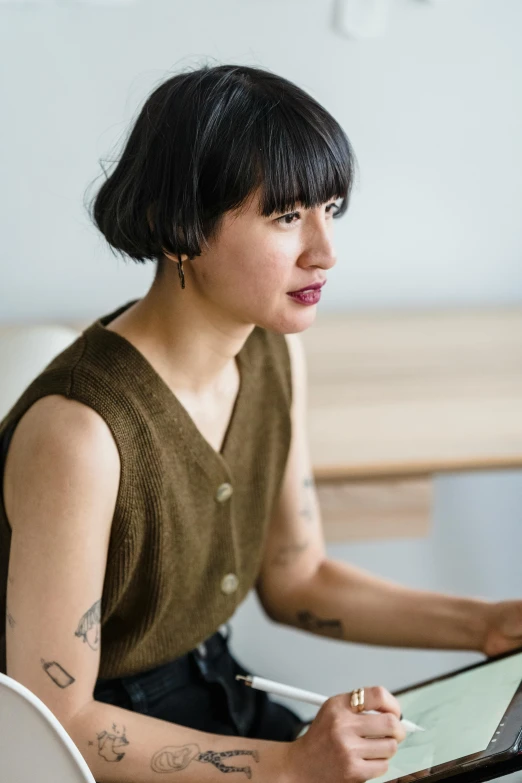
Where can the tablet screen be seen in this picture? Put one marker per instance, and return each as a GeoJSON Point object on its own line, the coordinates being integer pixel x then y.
{"type": "Point", "coordinates": [460, 716]}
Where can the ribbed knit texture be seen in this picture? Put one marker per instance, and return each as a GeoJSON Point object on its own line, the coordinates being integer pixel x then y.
{"type": "Point", "coordinates": [172, 542]}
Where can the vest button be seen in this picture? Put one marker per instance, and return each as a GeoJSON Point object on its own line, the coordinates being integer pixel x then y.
{"type": "Point", "coordinates": [229, 584]}
{"type": "Point", "coordinates": [224, 491]}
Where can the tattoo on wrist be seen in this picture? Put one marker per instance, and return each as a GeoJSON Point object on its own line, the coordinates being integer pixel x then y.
{"type": "Point", "coordinates": [287, 554]}
{"type": "Point", "coordinates": [10, 619]}
{"type": "Point", "coordinates": [89, 626]}
{"type": "Point", "coordinates": [174, 759]}
{"type": "Point", "coordinates": [311, 622]}
{"type": "Point", "coordinates": [57, 673]}
{"type": "Point", "coordinates": [110, 743]}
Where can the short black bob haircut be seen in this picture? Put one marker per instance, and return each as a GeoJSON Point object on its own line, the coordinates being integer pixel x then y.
{"type": "Point", "coordinates": [203, 142]}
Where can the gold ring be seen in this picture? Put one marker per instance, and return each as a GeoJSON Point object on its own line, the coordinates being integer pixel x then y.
{"type": "Point", "coordinates": [357, 700]}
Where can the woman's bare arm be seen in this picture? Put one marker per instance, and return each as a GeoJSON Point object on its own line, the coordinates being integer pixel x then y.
{"type": "Point", "coordinates": [128, 747]}
{"type": "Point", "coordinates": [61, 481]}
{"type": "Point", "coordinates": [60, 488]}
{"type": "Point", "coordinates": [300, 586]}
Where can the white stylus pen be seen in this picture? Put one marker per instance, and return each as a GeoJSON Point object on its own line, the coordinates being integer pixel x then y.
{"type": "Point", "coordinates": [278, 689]}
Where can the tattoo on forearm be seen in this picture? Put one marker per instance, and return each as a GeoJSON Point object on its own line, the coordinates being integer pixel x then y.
{"type": "Point", "coordinates": [89, 626]}
{"type": "Point", "coordinates": [10, 619]}
{"type": "Point", "coordinates": [174, 759]}
{"type": "Point", "coordinates": [111, 742]}
{"type": "Point", "coordinates": [57, 673]}
{"type": "Point", "coordinates": [306, 513]}
{"type": "Point", "coordinates": [287, 554]}
{"type": "Point", "coordinates": [306, 510]}
{"type": "Point", "coordinates": [316, 624]}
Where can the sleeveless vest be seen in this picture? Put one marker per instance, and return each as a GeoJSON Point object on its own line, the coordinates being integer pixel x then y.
{"type": "Point", "coordinates": [189, 525]}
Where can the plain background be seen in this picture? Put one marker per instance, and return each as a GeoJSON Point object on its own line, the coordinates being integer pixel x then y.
{"type": "Point", "coordinates": [434, 112]}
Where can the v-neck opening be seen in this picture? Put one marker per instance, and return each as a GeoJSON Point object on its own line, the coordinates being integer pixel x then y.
{"type": "Point", "coordinates": [198, 439]}
{"type": "Point", "coordinates": [232, 418]}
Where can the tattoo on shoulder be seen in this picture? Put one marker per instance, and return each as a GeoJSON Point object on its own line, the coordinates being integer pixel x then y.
{"type": "Point", "coordinates": [57, 673]}
{"type": "Point", "coordinates": [287, 554]}
{"type": "Point", "coordinates": [174, 759]}
{"type": "Point", "coordinates": [89, 626]}
{"type": "Point", "coordinates": [311, 622]}
{"type": "Point", "coordinates": [110, 743]}
{"type": "Point", "coordinates": [10, 619]}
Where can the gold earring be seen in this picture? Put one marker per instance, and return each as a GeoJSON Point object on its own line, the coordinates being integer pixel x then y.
{"type": "Point", "coordinates": [181, 273]}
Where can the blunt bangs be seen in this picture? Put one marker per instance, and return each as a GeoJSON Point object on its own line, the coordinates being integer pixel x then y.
{"type": "Point", "coordinates": [203, 143]}
{"type": "Point", "coordinates": [306, 163]}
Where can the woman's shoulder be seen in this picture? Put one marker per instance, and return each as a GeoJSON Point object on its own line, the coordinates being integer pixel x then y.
{"type": "Point", "coordinates": [62, 440]}
{"type": "Point", "coordinates": [60, 417]}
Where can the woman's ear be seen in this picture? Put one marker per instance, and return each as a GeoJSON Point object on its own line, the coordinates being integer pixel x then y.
{"type": "Point", "coordinates": [172, 257]}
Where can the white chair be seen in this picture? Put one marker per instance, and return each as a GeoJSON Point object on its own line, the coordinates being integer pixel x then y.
{"type": "Point", "coordinates": [34, 746]}
{"type": "Point", "coordinates": [24, 352]}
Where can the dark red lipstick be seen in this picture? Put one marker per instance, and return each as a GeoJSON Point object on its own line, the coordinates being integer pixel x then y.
{"type": "Point", "coordinates": [309, 295]}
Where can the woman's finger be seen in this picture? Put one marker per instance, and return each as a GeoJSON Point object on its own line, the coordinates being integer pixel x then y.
{"type": "Point", "coordinates": [386, 724]}
{"type": "Point", "coordinates": [378, 698]}
{"type": "Point", "coordinates": [379, 748]}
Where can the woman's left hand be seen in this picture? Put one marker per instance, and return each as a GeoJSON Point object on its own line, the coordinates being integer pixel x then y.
{"type": "Point", "coordinates": [503, 627]}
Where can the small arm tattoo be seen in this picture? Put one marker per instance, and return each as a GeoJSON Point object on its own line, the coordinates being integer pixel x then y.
{"type": "Point", "coordinates": [316, 624]}
{"type": "Point", "coordinates": [10, 619]}
{"type": "Point", "coordinates": [57, 673]}
{"type": "Point", "coordinates": [306, 510]}
{"type": "Point", "coordinates": [287, 554]}
{"type": "Point", "coordinates": [174, 759]}
{"type": "Point", "coordinates": [89, 626]}
{"type": "Point", "coordinates": [306, 513]}
{"type": "Point", "coordinates": [110, 743]}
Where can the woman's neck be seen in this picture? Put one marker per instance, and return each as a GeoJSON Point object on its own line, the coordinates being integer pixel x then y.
{"type": "Point", "coordinates": [191, 346]}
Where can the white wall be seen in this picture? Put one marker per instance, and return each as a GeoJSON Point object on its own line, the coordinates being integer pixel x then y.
{"type": "Point", "coordinates": [433, 109]}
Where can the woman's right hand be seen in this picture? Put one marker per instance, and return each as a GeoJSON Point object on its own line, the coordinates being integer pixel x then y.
{"type": "Point", "coordinates": [342, 745]}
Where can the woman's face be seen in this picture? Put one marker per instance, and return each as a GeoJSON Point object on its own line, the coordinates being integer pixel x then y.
{"type": "Point", "coordinates": [251, 269]}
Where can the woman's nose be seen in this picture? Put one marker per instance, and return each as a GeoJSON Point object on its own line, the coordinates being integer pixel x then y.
{"type": "Point", "coordinates": [321, 254]}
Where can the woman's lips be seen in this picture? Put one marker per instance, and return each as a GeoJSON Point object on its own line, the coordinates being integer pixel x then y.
{"type": "Point", "coordinates": [310, 287]}
{"type": "Point", "coordinates": [310, 296]}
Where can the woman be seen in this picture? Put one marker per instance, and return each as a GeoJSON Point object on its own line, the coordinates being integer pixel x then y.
{"type": "Point", "coordinates": [158, 468]}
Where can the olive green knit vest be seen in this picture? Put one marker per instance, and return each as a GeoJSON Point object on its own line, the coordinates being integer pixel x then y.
{"type": "Point", "coordinates": [189, 525]}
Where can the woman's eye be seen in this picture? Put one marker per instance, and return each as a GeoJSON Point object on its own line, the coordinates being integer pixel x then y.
{"type": "Point", "coordinates": [287, 219]}
{"type": "Point", "coordinates": [334, 208]}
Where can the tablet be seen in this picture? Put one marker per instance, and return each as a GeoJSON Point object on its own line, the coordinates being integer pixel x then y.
{"type": "Point", "coordinates": [472, 721]}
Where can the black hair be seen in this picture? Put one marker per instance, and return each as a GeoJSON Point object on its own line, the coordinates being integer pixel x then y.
{"type": "Point", "coordinates": [203, 142]}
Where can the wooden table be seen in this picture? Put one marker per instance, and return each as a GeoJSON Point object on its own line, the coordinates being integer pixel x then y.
{"type": "Point", "coordinates": [395, 399]}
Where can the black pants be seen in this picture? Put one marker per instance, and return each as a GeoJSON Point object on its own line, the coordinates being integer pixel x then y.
{"type": "Point", "coordinates": [200, 691]}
